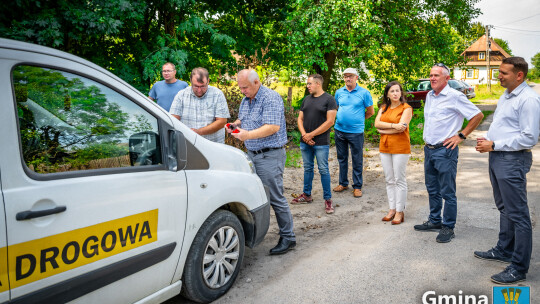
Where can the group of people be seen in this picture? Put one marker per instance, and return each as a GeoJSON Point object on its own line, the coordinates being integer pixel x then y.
{"type": "Point", "coordinates": [261, 126]}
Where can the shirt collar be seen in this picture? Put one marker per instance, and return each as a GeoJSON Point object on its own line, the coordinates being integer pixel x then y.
{"type": "Point", "coordinates": [443, 92]}
{"type": "Point", "coordinates": [516, 91]}
{"type": "Point", "coordinates": [353, 90]}
{"type": "Point", "coordinates": [259, 94]}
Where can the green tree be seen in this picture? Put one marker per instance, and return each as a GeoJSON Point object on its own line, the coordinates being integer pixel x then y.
{"type": "Point", "coordinates": [504, 45]}
{"type": "Point", "coordinates": [390, 39]}
{"type": "Point", "coordinates": [534, 72]}
{"type": "Point", "coordinates": [130, 38]}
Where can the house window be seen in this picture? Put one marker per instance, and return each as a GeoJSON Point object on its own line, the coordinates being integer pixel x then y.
{"type": "Point", "coordinates": [494, 73]}
{"type": "Point", "coordinates": [470, 73]}
{"type": "Point", "coordinates": [482, 56]}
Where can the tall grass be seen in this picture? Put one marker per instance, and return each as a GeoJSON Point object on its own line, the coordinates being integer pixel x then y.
{"type": "Point", "coordinates": [482, 93]}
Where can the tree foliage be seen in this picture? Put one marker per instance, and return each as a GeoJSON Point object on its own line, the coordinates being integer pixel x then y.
{"type": "Point", "coordinates": [390, 39]}
{"type": "Point", "coordinates": [504, 45]}
{"type": "Point", "coordinates": [394, 39]}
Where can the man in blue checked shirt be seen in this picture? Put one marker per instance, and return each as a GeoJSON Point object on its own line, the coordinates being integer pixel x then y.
{"type": "Point", "coordinates": [263, 131]}
{"type": "Point", "coordinates": [511, 136]}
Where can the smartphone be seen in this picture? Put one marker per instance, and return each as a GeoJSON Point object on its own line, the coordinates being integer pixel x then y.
{"type": "Point", "coordinates": [232, 127]}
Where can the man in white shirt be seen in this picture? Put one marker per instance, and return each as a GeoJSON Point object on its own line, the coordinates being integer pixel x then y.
{"type": "Point", "coordinates": [444, 112]}
{"type": "Point", "coordinates": [511, 136]}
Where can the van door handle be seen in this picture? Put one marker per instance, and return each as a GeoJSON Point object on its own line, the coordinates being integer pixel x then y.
{"type": "Point", "coordinates": [26, 215]}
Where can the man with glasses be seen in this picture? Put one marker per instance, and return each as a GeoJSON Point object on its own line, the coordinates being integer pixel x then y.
{"type": "Point", "coordinates": [201, 107]}
{"type": "Point", "coordinates": [444, 112]}
{"type": "Point", "coordinates": [316, 117]}
{"type": "Point", "coordinates": [355, 105]}
{"type": "Point", "coordinates": [163, 91]}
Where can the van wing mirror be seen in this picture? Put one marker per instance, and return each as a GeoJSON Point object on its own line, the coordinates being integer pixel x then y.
{"type": "Point", "coordinates": [144, 149]}
{"type": "Point", "coordinates": [178, 151]}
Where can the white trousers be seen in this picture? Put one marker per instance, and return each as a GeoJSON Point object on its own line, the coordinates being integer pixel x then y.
{"type": "Point", "coordinates": [394, 167]}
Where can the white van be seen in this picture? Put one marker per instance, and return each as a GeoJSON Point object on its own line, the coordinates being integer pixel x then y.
{"type": "Point", "coordinates": [106, 197]}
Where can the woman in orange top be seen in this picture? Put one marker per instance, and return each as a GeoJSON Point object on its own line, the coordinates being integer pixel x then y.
{"type": "Point", "coordinates": [392, 122]}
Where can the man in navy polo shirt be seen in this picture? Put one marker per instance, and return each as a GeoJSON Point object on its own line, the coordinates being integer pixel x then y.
{"type": "Point", "coordinates": [355, 105]}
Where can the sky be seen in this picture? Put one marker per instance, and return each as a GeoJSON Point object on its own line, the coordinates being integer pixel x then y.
{"type": "Point", "coordinates": [516, 21]}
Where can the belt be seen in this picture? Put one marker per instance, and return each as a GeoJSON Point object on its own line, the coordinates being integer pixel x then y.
{"type": "Point", "coordinates": [264, 150]}
{"type": "Point", "coordinates": [518, 151]}
{"type": "Point", "coordinates": [437, 146]}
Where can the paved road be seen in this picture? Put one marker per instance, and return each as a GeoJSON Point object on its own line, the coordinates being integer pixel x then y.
{"type": "Point", "coordinates": [366, 261]}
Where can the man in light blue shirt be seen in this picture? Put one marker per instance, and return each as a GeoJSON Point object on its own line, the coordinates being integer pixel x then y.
{"type": "Point", "coordinates": [163, 91]}
{"type": "Point", "coordinates": [444, 113]}
{"type": "Point", "coordinates": [355, 105]}
{"type": "Point", "coordinates": [511, 136]}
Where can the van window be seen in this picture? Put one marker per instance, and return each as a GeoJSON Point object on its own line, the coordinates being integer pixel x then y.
{"type": "Point", "coordinates": [68, 122]}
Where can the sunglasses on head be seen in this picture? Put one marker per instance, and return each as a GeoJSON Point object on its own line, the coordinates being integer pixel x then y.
{"type": "Point", "coordinates": [442, 66]}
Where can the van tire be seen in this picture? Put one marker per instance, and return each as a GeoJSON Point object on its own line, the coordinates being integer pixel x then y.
{"type": "Point", "coordinates": [215, 229]}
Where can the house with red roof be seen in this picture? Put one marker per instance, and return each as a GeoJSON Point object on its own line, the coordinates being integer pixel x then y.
{"type": "Point", "coordinates": [475, 70]}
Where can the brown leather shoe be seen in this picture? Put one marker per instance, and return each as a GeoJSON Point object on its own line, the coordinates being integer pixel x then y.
{"type": "Point", "coordinates": [357, 192]}
{"type": "Point", "coordinates": [398, 220]}
{"type": "Point", "coordinates": [340, 188]}
{"type": "Point", "coordinates": [389, 217]}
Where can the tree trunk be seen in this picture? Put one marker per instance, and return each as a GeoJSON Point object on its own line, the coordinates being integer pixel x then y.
{"type": "Point", "coordinates": [330, 59]}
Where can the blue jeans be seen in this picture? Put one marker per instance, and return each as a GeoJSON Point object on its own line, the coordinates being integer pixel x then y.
{"type": "Point", "coordinates": [321, 153]}
{"type": "Point", "coordinates": [440, 168]}
{"type": "Point", "coordinates": [356, 143]}
{"type": "Point", "coordinates": [508, 175]}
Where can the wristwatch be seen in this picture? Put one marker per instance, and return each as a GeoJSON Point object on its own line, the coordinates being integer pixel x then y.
{"type": "Point", "coordinates": [462, 136]}
{"type": "Point", "coordinates": [493, 146]}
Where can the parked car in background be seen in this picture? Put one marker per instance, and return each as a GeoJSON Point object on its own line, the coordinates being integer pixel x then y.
{"type": "Point", "coordinates": [416, 91]}
{"type": "Point", "coordinates": [469, 90]}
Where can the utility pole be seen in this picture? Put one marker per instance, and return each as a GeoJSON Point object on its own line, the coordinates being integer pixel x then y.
{"type": "Point", "coordinates": [488, 49]}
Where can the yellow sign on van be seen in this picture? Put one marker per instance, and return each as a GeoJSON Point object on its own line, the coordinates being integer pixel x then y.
{"type": "Point", "coordinates": [4, 285]}
{"type": "Point", "coordinates": [37, 259]}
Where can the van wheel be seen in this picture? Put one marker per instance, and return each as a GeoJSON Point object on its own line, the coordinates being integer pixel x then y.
{"type": "Point", "coordinates": [215, 258]}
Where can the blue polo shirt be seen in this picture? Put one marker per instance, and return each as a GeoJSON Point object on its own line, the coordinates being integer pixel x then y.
{"type": "Point", "coordinates": [352, 109]}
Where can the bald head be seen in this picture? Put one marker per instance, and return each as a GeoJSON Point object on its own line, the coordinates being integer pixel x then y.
{"type": "Point", "coordinates": [248, 82]}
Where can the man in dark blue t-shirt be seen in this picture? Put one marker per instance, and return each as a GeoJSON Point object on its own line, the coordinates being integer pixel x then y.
{"type": "Point", "coordinates": [316, 117]}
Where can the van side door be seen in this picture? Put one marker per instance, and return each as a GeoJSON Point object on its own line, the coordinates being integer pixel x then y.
{"type": "Point", "coordinates": [92, 208]}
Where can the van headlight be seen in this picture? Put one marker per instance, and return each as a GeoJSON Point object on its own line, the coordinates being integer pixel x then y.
{"type": "Point", "coordinates": [251, 164]}
{"type": "Point", "coordinates": [252, 167]}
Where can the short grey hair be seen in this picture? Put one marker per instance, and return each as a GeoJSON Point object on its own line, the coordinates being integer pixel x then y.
{"type": "Point", "coordinates": [251, 75]}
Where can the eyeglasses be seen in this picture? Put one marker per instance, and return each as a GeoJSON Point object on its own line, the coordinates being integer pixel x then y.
{"type": "Point", "coordinates": [349, 76]}
{"type": "Point", "coordinates": [168, 71]}
{"type": "Point", "coordinates": [199, 87]}
{"type": "Point", "coordinates": [442, 66]}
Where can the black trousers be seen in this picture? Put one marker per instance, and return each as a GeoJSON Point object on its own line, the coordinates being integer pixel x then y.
{"type": "Point", "coordinates": [507, 172]}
